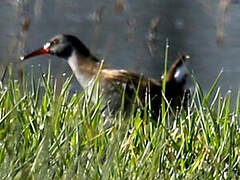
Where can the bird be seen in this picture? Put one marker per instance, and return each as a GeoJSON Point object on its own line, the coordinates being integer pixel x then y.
{"type": "Point", "coordinates": [116, 83]}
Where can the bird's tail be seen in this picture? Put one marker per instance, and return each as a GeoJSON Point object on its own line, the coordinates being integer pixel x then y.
{"type": "Point", "coordinates": [176, 82]}
{"type": "Point", "coordinates": [178, 71]}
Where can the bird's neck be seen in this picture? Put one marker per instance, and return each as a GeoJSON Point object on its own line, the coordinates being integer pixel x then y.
{"type": "Point", "coordinates": [85, 68]}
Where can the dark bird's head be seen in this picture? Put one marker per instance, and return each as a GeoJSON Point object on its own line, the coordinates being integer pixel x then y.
{"type": "Point", "coordinates": [61, 45]}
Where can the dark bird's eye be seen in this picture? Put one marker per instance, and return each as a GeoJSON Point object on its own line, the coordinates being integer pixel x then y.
{"type": "Point", "coordinates": [55, 42]}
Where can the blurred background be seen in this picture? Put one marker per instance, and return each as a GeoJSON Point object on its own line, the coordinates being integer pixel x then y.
{"type": "Point", "coordinates": [128, 34]}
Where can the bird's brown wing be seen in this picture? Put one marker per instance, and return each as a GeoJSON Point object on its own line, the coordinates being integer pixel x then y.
{"type": "Point", "coordinates": [134, 87]}
{"type": "Point", "coordinates": [124, 76]}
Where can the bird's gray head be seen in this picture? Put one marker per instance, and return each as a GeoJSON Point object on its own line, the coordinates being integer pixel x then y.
{"type": "Point", "coordinates": [61, 45]}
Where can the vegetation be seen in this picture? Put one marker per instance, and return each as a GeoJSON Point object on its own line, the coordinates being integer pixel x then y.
{"type": "Point", "coordinates": [50, 135]}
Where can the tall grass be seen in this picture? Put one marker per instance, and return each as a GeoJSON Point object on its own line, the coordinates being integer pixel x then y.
{"type": "Point", "coordinates": [46, 135]}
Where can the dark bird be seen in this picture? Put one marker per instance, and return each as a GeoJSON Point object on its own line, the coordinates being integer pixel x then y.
{"type": "Point", "coordinates": [114, 82]}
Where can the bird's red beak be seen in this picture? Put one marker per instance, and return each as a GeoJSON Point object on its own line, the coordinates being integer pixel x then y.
{"type": "Point", "coordinates": [36, 53]}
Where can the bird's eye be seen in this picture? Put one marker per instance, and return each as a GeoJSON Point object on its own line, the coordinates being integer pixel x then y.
{"type": "Point", "coordinates": [55, 42]}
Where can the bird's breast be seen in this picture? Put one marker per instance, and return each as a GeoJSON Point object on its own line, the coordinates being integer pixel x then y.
{"type": "Point", "coordinates": [81, 71]}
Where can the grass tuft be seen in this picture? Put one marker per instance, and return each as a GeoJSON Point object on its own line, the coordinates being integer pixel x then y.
{"type": "Point", "coordinates": [50, 135]}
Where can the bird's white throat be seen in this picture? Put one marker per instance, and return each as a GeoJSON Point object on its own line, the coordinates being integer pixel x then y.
{"type": "Point", "coordinates": [83, 78]}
